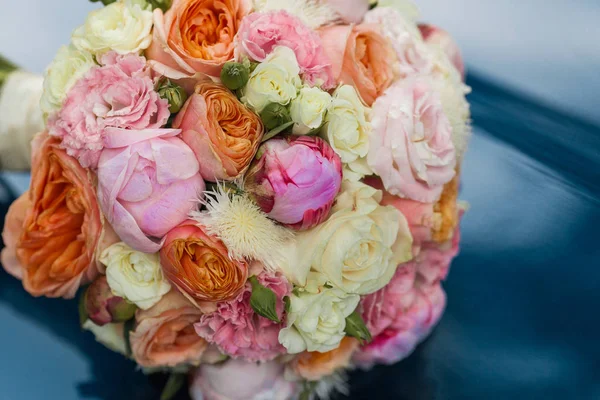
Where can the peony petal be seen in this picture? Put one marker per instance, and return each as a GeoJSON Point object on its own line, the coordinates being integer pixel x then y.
{"type": "Point", "coordinates": [174, 160]}
{"type": "Point", "coordinates": [116, 137]}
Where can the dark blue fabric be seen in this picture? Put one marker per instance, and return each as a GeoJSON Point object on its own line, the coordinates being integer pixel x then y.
{"type": "Point", "coordinates": [523, 295]}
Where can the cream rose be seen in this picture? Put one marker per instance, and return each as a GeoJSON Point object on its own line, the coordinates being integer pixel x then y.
{"type": "Point", "coordinates": [358, 248]}
{"type": "Point", "coordinates": [124, 26]}
{"type": "Point", "coordinates": [308, 109]}
{"type": "Point", "coordinates": [134, 275]}
{"type": "Point", "coordinates": [275, 80]}
{"type": "Point", "coordinates": [347, 129]}
{"type": "Point", "coordinates": [317, 320]}
{"type": "Point", "coordinates": [69, 65]}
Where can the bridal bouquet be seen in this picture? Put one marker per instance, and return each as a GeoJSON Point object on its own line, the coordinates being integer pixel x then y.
{"type": "Point", "coordinates": [260, 194]}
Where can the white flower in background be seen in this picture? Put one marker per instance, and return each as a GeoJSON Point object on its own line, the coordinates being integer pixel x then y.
{"type": "Point", "coordinates": [358, 248]}
{"type": "Point", "coordinates": [314, 13]}
{"type": "Point", "coordinates": [110, 335]}
{"type": "Point", "coordinates": [124, 26]}
{"type": "Point", "coordinates": [68, 66]}
{"type": "Point", "coordinates": [406, 8]}
{"type": "Point", "coordinates": [275, 80]}
{"type": "Point", "coordinates": [316, 321]}
{"type": "Point", "coordinates": [308, 109]}
{"type": "Point", "coordinates": [134, 275]}
{"type": "Point", "coordinates": [347, 130]}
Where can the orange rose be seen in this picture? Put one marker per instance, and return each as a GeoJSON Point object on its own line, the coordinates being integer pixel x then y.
{"type": "Point", "coordinates": [164, 335]}
{"type": "Point", "coordinates": [447, 207]}
{"type": "Point", "coordinates": [52, 231]}
{"type": "Point", "coordinates": [364, 59]}
{"type": "Point", "coordinates": [221, 131]}
{"type": "Point", "coordinates": [195, 36]}
{"type": "Point", "coordinates": [313, 366]}
{"type": "Point", "coordinates": [198, 264]}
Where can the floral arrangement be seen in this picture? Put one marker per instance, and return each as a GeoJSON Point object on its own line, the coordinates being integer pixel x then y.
{"type": "Point", "coordinates": [262, 194]}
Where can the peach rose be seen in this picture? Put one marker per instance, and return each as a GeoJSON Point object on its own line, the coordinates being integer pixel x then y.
{"type": "Point", "coordinates": [52, 231]}
{"type": "Point", "coordinates": [164, 335]}
{"type": "Point", "coordinates": [195, 36]}
{"type": "Point", "coordinates": [313, 366]}
{"type": "Point", "coordinates": [198, 264]}
{"type": "Point", "coordinates": [362, 57]}
{"type": "Point", "coordinates": [221, 131]}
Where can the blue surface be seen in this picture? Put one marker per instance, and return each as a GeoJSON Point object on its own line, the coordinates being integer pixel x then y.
{"type": "Point", "coordinates": [523, 294]}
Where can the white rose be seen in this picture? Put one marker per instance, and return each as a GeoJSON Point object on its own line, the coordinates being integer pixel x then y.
{"type": "Point", "coordinates": [134, 275]}
{"type": "Point", "coordinates": [110, 335]}
{"type": "Point", "coordinates": [316, 321]}
{"type": "Point", "coordinates": [347, 129]}
{"type": "Point", "coordinates": [358, 248]}
{"type": "Point", "coordinates": [308, 109]}
{"type": "Point", "coordinates": [68, 66]}
{"type": "Point", "coordinates": [123, 26]}
{"type": "Point", "coordinates": [275, 80]}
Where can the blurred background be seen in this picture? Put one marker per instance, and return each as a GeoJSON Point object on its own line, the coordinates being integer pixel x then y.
{"type": "Point", "coordinates": [522, 317]}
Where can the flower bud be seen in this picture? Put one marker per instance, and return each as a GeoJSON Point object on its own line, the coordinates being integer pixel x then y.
{"type": "Point", "coordinates": [105, 2]}
{"type": "Point", "coordinates": [174, 94]}
{"type": "Point", "coordinates": [275, 115]}
{"type": "Point", "coordinates": [235, 75]}
{"type": "Point", "coordinates": [103, 307]}
{"type": "Point", "coordinates": [164, 5]}
{"type": "Point", "coordinates": [294, 180]}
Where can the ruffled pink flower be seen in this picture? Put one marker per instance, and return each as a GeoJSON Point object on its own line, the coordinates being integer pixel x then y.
{"type": "Point", "coordinates": [241, 380]}
{"type": "Point", "coordinates": [411, 147]}
{"type": "Point", "coordinates": [239, 332]}
{"type": "Point", "coordinates": [295, 180]}
{"type": "Point", "coordinates": [434, 259]}
{"type": "Point", "coordinates": [261, 32]}
{"type": "Point", "coordinates": [147, 183]}
{"type": "Point", "coordinates": [436, 36]}
{"type": "Point", "coordinates": [118, 94]}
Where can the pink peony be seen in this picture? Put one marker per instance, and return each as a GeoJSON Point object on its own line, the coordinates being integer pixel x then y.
{"type": "Point", "coordinates": [241, 380]}
{"type": "Point", "coordinates": [438, 37]}
{"type": "Point", "coordinates": [434, 259]}
{"type": "Point", "coordinates": [295, 180]}
{"type": "Point", "coordinates": [117, 94]}
{"type": "Point", "coordinates": [238, 331]}
{"type": "Point", "coordinates": [261, 32]}
{"type": "Point", "coordinates": [350, 11]}
{"type": "Point", "coordinates": [147, 183]}
{"type": "Point", "coordinates": [411, 147]}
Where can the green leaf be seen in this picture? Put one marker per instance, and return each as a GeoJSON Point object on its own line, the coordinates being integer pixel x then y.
{"type": "Point", "coordinates": [274, 132]}
{"type": "Point", "coordinates": [309, 387]}
{"type": "Point", "coordinates": [263, 300]}
{"type": "Point", "coordinates": [356, 327]}
{"type": "Point", "coordinates": [173, 386]}
{"type": "Point", "coordinates": [288, 304]}
{"type": "Point", "coordinates": [127, 329]}
{"type": "Point", "coordinates": [83, 315]}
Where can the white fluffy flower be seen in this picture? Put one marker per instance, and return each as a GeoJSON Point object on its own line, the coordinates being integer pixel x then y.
{"type": "Point", "coordinates": [406, 8]}
{"type": "Point", "coordinates": [243, 227]}
{"type": "Point", "coordinates": [68, 66]}
{"type": "Point", "coordinates": [316, 321]}
{"type": "Point", "coordinates": [348, 129]}
{"type": "Point", "coordinates": [308, 109]}
{"type": "Point", "coordinates": [110, 335]}
{"type": "Point", "coordinates": [134, 275]}
{"type": "Point", "coordinates": [124, 26]}
{"type": "Point", "coordinates": [314, 13]}
{"type": "Point", "coordinates": [358, 248]}
{"type": "Point", "coordinates": [275, 80]}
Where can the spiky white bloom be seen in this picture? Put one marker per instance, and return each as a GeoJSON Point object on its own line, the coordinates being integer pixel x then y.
{"type": "Point", "coordinates": [243, 227]}
{"type": "Point", "coordinates": [329, 385]}
{"type": "Point", "coordinates": [314, 13]}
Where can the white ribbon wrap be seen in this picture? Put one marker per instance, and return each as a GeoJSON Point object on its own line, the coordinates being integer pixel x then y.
{"type": "Point", "coordinates": [20, 118]}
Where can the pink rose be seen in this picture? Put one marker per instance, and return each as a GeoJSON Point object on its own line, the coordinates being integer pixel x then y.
{"type": "Point", "coordinates": [295, 180]}
{"type": "Point", "coordinates": [434, 259]}
{"type": "Point", "coordinates": [413, 56]}
{"type": "Point", "coordinates": [241, 380]}
{"type": "Point", "coordinates": [147, 183]}
{"type": "Point", "coordinates": [239, 332]}
{"type": "Point", "coordinates": [411, 147]}
{"type": "Point", "coordinates": [118, 94]}
{"type": "Point", "coordinates": [261, 32]}
{"type": "Point", "coordinates": [411, 326]}
{"type": "Point", "coordinates": [439, 37]}
{"type": "Point", "coordinates": [351, 11]}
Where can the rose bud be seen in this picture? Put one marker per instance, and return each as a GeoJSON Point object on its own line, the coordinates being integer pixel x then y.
{"type": "Point", "coordinates": [294, 180]}
{"type": "Point", "coordinates": [439, 37]}
{"type": "Point", "coordinates": [103, 307]}
{"type": "Point", "coordinates": [235, 75]}
{"type": "Point", "coordinates": [174, 94]}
